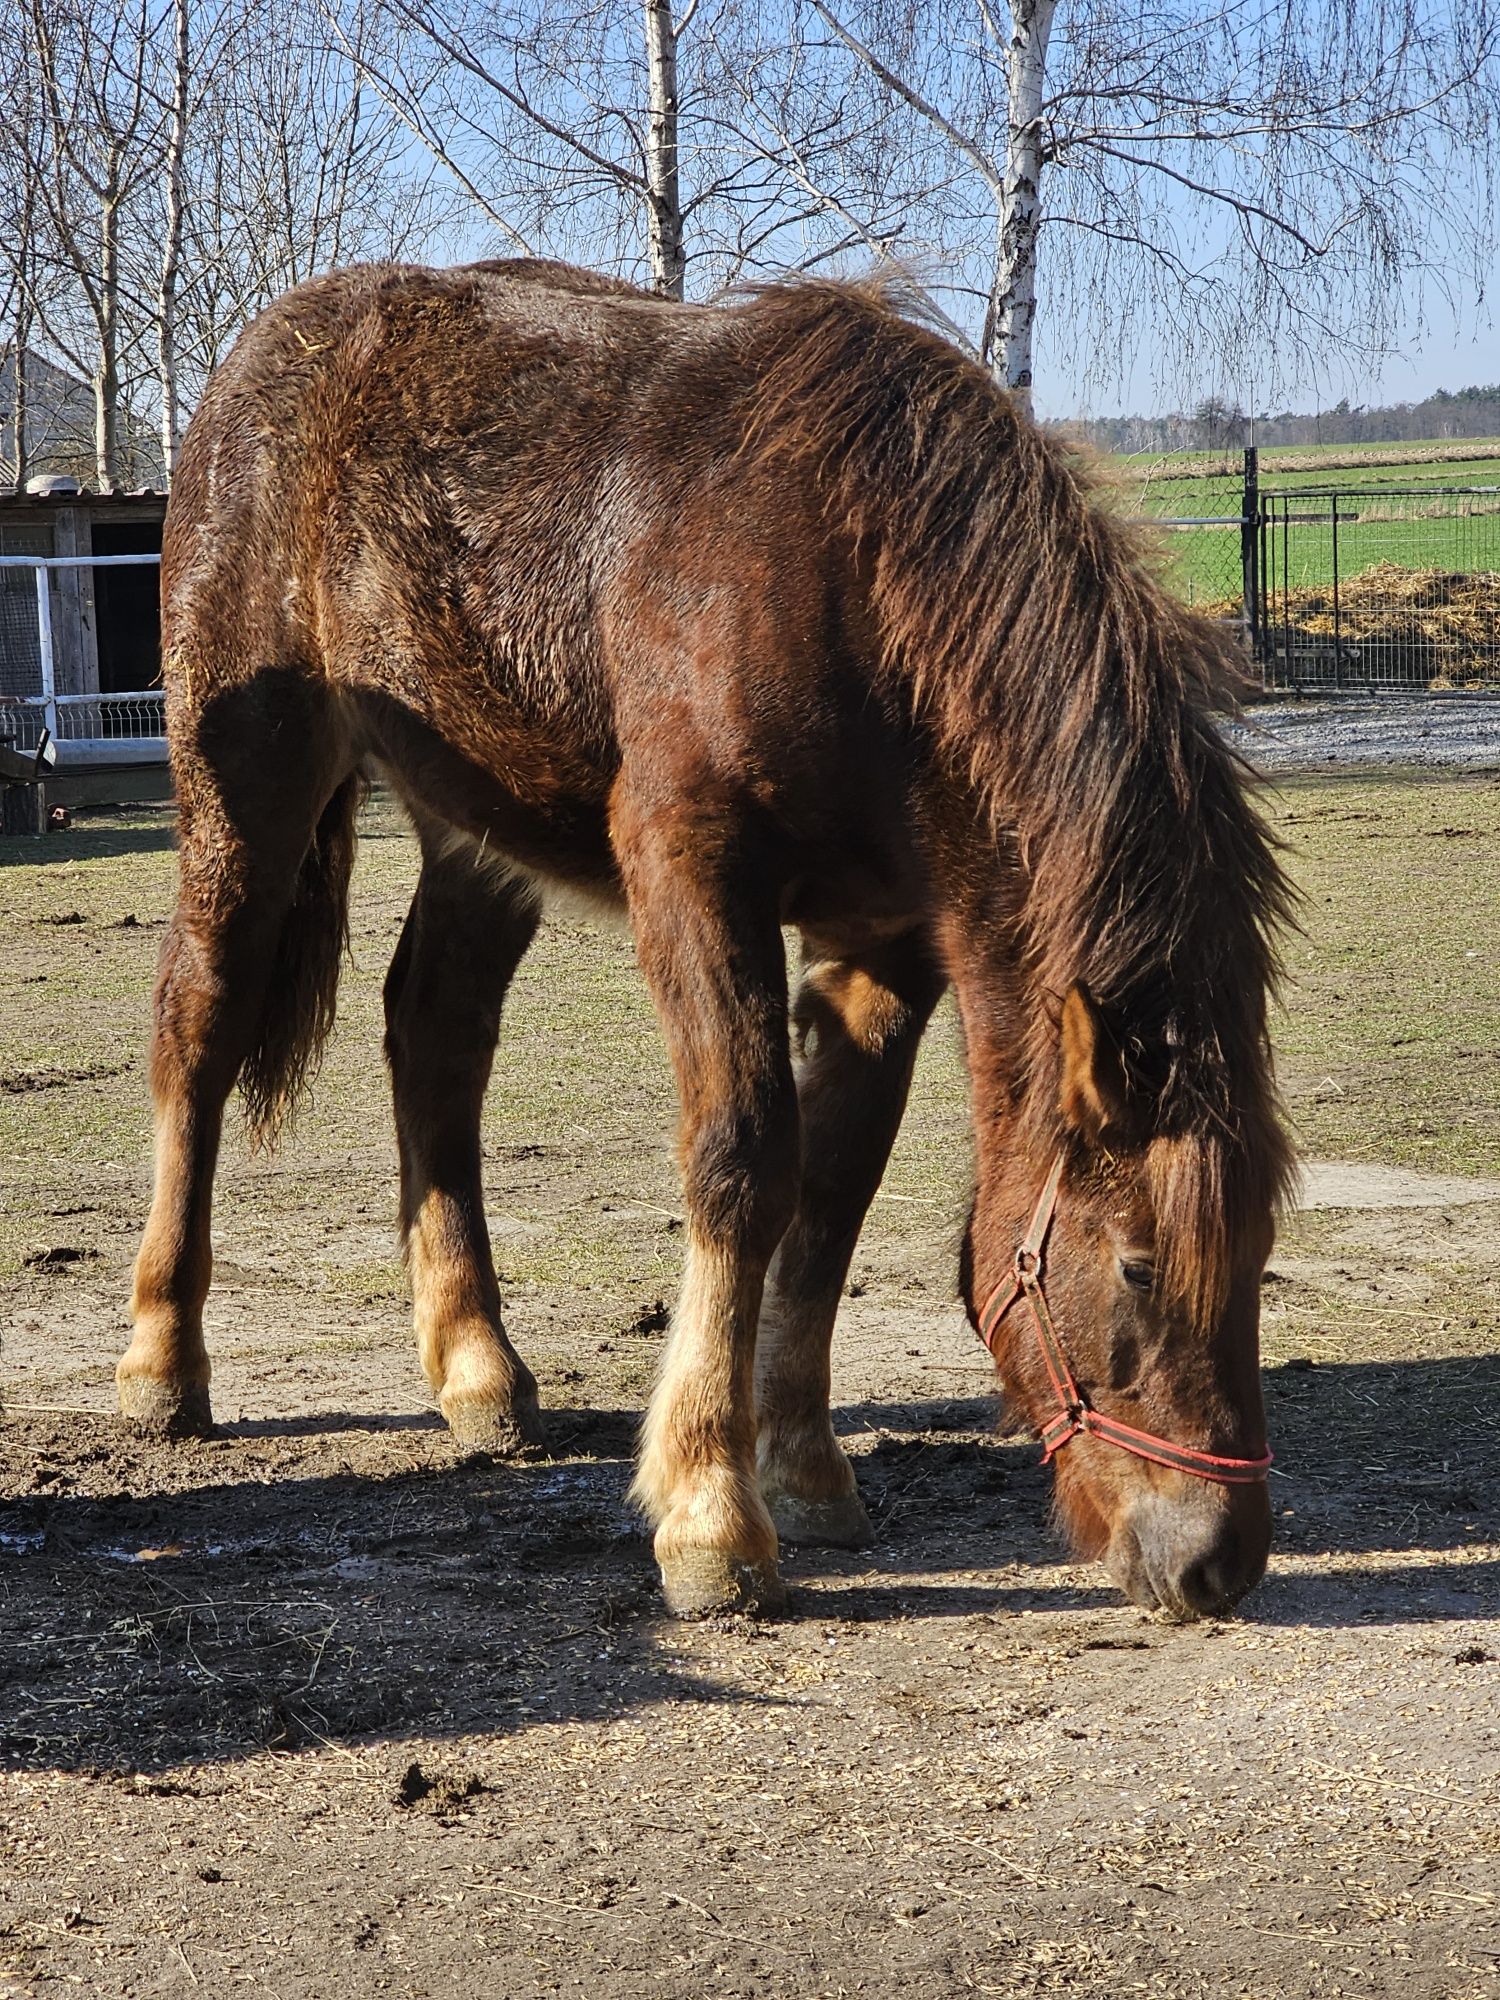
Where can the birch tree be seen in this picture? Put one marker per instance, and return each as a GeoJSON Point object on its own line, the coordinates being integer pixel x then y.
{"type": "Point", "coordinates": [664, 217]}
{"type": "Point", "coordinates": [1010, 313]}
{"type": "Point", "coordinates": [675, 148]}
{"type": "Point", "coordinates": [1243, 175]}
{"type": "Point", "coordinates": [167, 167]}
{"type": "Point", "coordinates": [19, 205]}
{"type": "Point", "coordinates": [98, 127]}
{"type": "Point", "coordinates": [560, 124]}
{"type": "Point", "coordinates": [174, 205]}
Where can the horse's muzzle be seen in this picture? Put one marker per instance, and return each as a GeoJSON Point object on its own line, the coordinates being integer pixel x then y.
{"type": "Point", "coordinates": [1192, 1555]}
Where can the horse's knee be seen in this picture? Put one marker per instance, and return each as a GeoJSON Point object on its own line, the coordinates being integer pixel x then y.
{"type": "Point", "coordinates": [741, 1171]}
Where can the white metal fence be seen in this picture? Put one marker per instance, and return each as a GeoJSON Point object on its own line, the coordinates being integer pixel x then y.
{"type": "Point", "coordinates": [116, 728]}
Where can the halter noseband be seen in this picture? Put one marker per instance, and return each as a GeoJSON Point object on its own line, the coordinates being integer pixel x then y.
{"type": "Point", "coordinates": [1075, 1413]}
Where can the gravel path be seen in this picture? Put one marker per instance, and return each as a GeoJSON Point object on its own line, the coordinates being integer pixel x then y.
{"type": "Point", "coordinates": [1459, 732]}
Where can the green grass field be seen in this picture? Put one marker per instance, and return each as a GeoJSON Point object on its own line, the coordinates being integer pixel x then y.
{"type": "Point", "coordinates": [1203, 564]}
{"type": "Point", "coordinates": [1431, 529]}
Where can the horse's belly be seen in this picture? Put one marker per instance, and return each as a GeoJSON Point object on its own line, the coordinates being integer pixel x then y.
{"type": "Point", "coordinates": [525, 803]}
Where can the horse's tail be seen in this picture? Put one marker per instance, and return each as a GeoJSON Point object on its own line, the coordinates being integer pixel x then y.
{"type": "Point", "coordinates": [299, 1005]}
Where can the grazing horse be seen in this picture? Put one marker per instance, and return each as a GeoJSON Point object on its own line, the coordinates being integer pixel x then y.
{"type": "Point", "coordinates": [769, 613]}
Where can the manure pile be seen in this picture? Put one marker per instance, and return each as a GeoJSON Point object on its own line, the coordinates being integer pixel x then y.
{"type": "Point", "coordinates": [1417, 626]}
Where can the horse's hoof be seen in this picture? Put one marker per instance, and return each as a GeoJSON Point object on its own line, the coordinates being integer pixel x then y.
{"type": "Point", "coordinates": [502, 1432]}
{"type": "Point", "coordinates": [699, 1582]}
{"type": "Point", "coordinates": [157, 1409]}
{"type": "Point", "coordinates": [824, 1524]}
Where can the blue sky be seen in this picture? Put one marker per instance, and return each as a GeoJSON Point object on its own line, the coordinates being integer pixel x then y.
{"type": "Point", "coordinates": [1452, 346]}
{"type": "Point", "coordinates": [1456, 348]}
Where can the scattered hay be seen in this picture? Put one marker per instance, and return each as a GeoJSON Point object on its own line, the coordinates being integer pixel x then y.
{"type": "Point", "coordinates": [1424, 627]}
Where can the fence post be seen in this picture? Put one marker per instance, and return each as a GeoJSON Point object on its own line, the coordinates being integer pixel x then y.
{"type": "Point", "coordinates": [44, 647]}
{"type": "Point", "coordinates": [1250, 546]}
{"type": "Point", "coordinates": [1338, 625]}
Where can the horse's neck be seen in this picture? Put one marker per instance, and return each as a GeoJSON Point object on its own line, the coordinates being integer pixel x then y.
{"type": "Point", "coordinates": [1006, 1028]}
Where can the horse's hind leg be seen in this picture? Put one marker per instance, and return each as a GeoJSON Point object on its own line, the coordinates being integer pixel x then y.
{"type": "Point", "coordinates": [858, 1021]}
{"type": "Point", "coordinates": [245, 990]}
{"type": "Point", "coordinates": [465, 935]}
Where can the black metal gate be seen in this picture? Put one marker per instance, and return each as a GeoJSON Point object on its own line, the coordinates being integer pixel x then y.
{"type": "Point", "coordinates": [1377, 586]}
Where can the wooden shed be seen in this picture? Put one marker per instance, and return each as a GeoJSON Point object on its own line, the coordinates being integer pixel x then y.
{"type": "Point", "coordinates": [87, 662]}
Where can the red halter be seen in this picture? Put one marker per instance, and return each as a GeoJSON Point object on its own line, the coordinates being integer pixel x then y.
{"type": "Point", "coordinates": [1075, 1413]}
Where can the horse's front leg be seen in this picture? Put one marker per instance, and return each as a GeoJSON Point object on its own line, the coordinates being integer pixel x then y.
{"type": "Point", "coordinates": [710, 947]}
{"type": "Point", "coordinates": [858, 1020]}
{"type": "Point", "coordinates": [464, 937]}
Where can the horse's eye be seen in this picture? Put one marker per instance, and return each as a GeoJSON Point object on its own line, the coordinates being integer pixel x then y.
{"type": "Point", "coordinates": [1140, 1277]}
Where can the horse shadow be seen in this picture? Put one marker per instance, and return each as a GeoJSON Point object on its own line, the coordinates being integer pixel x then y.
{"type": "Point", "coordinates": [153, 831]}
{"type": "Point", "coordinates": [258, 1606]}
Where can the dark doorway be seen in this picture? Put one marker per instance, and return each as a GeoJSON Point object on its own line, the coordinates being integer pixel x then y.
{"type": "Point", "coordinates": [128, 602]}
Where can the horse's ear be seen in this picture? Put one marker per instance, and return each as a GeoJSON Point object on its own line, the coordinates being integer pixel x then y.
{"type": "Point", "coordinates": [1093, 1076]}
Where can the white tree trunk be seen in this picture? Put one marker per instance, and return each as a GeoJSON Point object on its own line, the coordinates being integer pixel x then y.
{"type": "Point", "coordinates": [663, 194]}
{"type": "Point", "coordinates": [166, 307]}
{"type": "Point", "coordinates": [1012, 315]}
{"type": "Point", "coordinates": [20, 412]}
{"type": "Point", "coordinates": [107, 362]}
{"type": "Point", "coordinates": [21, 317]}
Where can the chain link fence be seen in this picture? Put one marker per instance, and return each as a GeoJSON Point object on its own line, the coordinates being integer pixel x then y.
{"type": "Point", "coordinates": [1198, 505]}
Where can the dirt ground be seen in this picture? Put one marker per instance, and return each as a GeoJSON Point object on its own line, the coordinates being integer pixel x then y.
{"type": "Point", "coordinates": [314, 1709]}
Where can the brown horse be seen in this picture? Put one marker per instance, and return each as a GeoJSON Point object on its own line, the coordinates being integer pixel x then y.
{"type": "Point", "coordinates": [768, 613]}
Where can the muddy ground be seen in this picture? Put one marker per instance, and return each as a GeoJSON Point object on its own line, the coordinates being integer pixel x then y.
{"type": "Point", "coordinates": [313, 1709]}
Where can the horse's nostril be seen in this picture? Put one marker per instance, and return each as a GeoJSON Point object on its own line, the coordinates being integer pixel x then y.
{"type": "Point", "coordinates": [1127, 1564]}
{"type": "Point", "coordinates": [1205, 1586]}
{"type": "Point", "coordinates": [1193, 1558]}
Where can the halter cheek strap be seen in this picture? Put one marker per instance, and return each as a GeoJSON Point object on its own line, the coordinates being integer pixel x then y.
{"type": "Point", "coordinates": [1075, 1413]}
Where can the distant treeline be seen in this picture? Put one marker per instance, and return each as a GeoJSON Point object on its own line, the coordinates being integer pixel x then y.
{"type": "Point", "coordinates": [1216, 426]}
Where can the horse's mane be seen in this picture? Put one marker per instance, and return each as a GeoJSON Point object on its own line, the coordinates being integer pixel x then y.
{"type": "Point", "coordinates": [1028, 633]}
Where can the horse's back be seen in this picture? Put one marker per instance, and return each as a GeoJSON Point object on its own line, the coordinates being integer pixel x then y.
{"type": "Point", "coordinates": [503, 515]}
{"type": "Point", "coordinates": [424, 374]}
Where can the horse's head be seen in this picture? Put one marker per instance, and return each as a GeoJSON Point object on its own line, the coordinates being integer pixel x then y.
{"type": "Point", "coordinates": [1126, 1332]}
